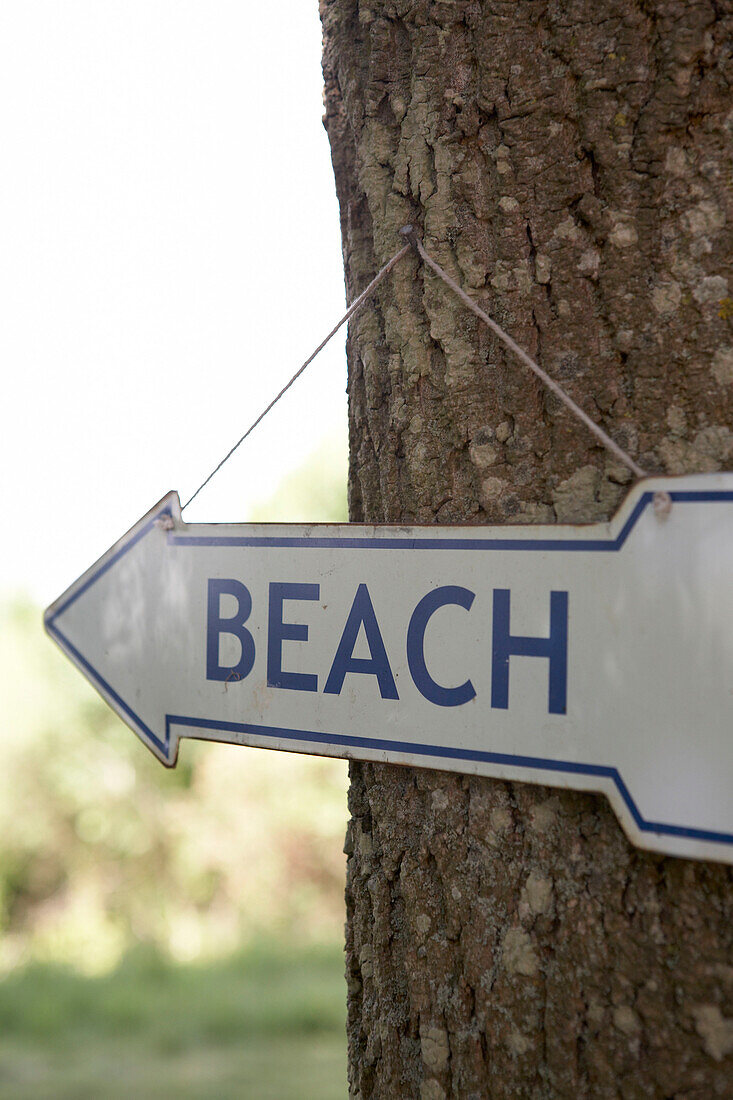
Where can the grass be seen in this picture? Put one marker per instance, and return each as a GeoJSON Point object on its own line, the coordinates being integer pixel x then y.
{"type": "Point", "coordinates": [266, 1025]}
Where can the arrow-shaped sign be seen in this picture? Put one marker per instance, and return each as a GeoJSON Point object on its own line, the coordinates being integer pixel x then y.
{"type": "Point", "coordinates": [596, 657]}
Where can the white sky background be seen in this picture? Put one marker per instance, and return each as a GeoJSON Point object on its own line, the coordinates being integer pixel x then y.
{"type": "Point", "coordinates": [169, 255]}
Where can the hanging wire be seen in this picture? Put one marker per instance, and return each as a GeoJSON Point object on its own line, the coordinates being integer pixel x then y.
{"type": "Point", "coordinates": [414, 243]}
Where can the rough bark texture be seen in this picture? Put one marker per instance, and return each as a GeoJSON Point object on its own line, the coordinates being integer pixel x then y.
{"type": "Point", "coordinates": [570, 164]}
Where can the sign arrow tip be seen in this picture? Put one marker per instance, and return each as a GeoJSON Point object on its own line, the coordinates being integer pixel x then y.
{"type": "Point", "coordinates": [90, 622]}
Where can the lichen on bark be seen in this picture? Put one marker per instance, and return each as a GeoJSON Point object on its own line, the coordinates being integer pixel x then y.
{"type": "Point", "coordinates": [570, 165]}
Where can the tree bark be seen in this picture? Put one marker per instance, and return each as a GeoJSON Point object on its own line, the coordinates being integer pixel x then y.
{"type": "Point", "coordinates": [570, 165]}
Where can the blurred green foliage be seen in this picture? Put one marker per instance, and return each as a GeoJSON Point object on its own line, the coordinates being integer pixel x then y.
{"type": "Point", "coordinates": [102, 849]}
{"type": "Point", "coordinates": [268, 1022]}
{"type": "Point", "coordinates": [159, 929]}
{"type": "Point", "coordinates": [269, 988]}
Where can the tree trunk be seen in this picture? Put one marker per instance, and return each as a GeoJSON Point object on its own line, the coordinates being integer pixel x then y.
{"type": "Point", "coordinates": [570, 165]}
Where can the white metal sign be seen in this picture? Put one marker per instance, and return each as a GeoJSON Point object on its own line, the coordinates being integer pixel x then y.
{"type": "Point", "coordinates": [596, 657]}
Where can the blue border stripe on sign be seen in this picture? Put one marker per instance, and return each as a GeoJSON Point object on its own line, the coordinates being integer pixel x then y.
{"type": "Point", "coordinates": [346, 542]}
{"type": "Point", "coordinates": [316, 542]}
{"type": "Point", "coordinates": [107, 565]}
{"type": "Point", "coordinates": [81, 660]}
{"type": "Point", "coordinates": [441, 752]}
